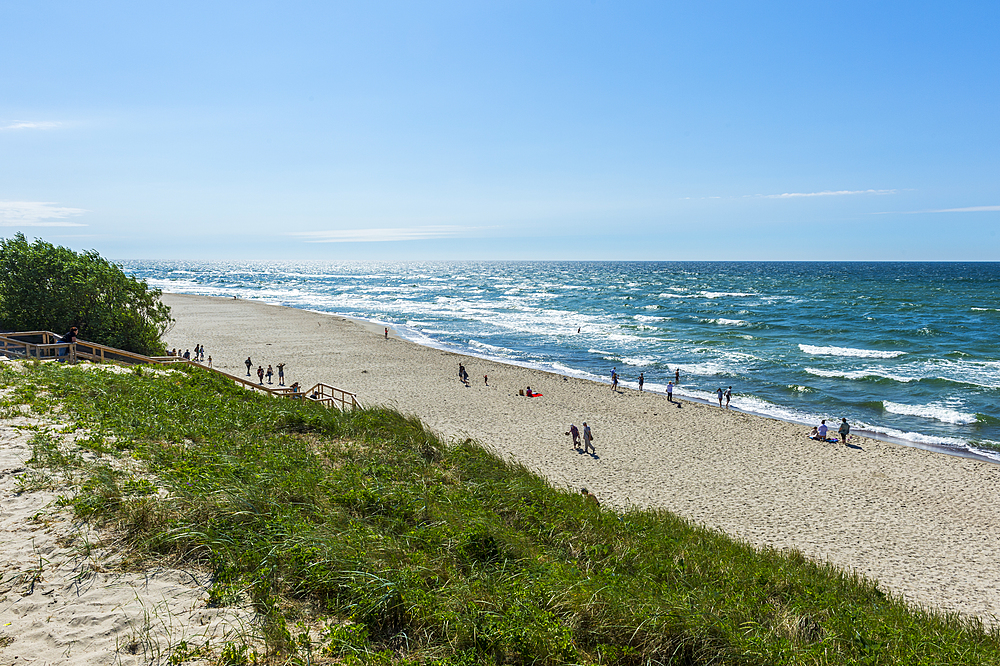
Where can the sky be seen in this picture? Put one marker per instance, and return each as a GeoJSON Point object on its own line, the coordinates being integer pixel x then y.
{"type": "Point", "coordinates": [586, 130]}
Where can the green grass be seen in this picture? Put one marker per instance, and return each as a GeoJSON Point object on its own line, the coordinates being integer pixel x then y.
{"type": "Point", "coordinates": [396, 547]}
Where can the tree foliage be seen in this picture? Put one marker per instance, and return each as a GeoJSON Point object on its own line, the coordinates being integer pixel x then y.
{"type": "Point", "coordinates": [44, 287]}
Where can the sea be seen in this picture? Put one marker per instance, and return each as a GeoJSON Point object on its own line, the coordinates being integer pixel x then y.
{"type": "Point", "coordinates": [907, 352]}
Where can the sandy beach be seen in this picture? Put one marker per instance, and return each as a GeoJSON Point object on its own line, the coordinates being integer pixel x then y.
{"type": "Point", "coordinates": [923, 524]}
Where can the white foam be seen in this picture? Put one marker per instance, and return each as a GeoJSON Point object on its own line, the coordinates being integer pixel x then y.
{"type": "Point", "coordinates": [860, 374]}
{"type": "Point", "coordinates": [847, 351]}
{"type": "Point", "coordinates": [932, 411]}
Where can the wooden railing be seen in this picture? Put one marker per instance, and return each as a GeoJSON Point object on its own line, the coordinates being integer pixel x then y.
{"type": "Point", "coordinates": [45, 345]}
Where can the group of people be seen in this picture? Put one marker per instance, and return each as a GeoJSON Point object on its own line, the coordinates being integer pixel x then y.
{"type": "Point", "coordinates": [642, 381]}
{"type": "Point", "coordinates": [269, 373]}
{"type": "Point", "coordinates": [588, 438]}
{"type": "Point", "coordinates": [197, 357]}
{"type": "Point", "coordinates": [819, 432]}
{"type": "Point", "coordinates": [727, 394]}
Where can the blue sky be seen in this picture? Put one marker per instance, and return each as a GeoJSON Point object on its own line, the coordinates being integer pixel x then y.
{"type": "Point", "coordinates": [503, 130]}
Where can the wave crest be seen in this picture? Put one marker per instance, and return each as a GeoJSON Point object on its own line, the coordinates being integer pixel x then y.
{"type": "Point", "coordinates": [848, 351]}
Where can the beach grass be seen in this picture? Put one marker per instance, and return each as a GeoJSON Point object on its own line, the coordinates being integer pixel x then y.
{"type": "Point", "coordinates": [361, 537]}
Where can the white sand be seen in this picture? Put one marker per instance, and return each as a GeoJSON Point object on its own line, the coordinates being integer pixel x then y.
{"type": "Point", "coordinates": [923, 524]}
{"type": "Point", "coordinates": [63, 596]}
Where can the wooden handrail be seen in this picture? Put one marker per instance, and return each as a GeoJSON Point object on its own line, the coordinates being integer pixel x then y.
{"type": "Point", "coordinates": [92, 351]}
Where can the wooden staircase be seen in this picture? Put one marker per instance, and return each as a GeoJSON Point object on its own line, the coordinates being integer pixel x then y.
{"type": "Point", "coordinates": [45, 346]}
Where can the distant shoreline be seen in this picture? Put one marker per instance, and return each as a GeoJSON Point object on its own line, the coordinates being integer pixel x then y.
{"type": "Point", "coordinates": [376, 327]}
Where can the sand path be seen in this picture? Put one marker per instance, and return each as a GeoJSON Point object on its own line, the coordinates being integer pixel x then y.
{"type": "Point", "coordinates": [923, 524]}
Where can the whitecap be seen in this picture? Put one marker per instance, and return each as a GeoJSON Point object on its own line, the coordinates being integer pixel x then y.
{"type": "Point", "coordinates": [847, 351]}
{"type": "Point", "coordinates": [932, 411]}
{"type": "Point", "coordinates": [859, 374]}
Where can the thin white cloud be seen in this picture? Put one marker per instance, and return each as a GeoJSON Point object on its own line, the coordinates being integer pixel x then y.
{"type": "Point", "coordinates": [967, 209]}
{"type": "Point", "coordinates": [30, 124]}
{"type": "Point", "coordinates": [825, 193]}
{"type": "Point", "coordinates": [382, 235]}
{"type": "Point", "coordinates": [37, 214]}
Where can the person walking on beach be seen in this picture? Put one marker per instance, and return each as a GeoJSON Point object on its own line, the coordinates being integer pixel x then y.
{"type": "Point", "coordinates": [260, 374]}
{"type": "Point", "coordinates": [270, 373]}
{"type": "Point", "coordinates": [670, 391]}
{"type": "Point", "coordinates": [574, 432]}
{"type": "Point", "coordinates": [486, 379]}
{"type": "Point", "coordinates": [281, 374]}
{"type": "Point", "coordinates": [729, 396]}
{"type": "Point", "coordinates": [641, 380]}
{"type": "Point", "coordinates": [719, 391]}
{"type": "Point", "coordinates": [844, 430]}
{"type": "Point", "coordinates": [614, 381]}
{"type": "Point", "coordinates": [588, 440]}
{"type": "Point", "coordinates": [249, 364]}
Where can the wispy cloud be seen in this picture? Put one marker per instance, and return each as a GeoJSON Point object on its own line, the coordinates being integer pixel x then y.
{"type": "Point", "coordinates": [381, 235]}
{"type": "Point", "coordinates": [967, 209]}
{"type": "Point", "coordinates": [30, 124]}
{"type": "Point", "coordinates": [825, 193]}
{"type": "Point", "coordinates": [37, 214]}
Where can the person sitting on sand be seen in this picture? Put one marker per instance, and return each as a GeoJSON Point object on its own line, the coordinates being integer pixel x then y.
{"type": "Point", "coordinates": [528, 392]}
{"type": "Point", "coordinates": [821, 431]}
{"type": "Point", "coordinates": [813, 434]}
{"type": "Point", "coordinates": [591, 497]}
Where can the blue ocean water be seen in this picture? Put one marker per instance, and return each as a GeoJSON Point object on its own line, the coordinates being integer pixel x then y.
{"type": "Point", "coordinates": [905, 351]}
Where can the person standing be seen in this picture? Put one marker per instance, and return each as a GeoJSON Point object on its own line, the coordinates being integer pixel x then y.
{"type": "Point", "coordinates": [729, 396]}
{"type": "Point", "coordinates": [575, 434]}
{"type": "Point", "coordinates": [641, 380]}
{"type": "Point", "coordinates": [719, 391]}
{"type": "Point", "coordinates": [677, 376]}
{"type": "Point", "coordinates": [210, 360]}
{"type": "Point", "coordinates": [614, 381]}
{"type": "Point", "coordinates": [248, 363]}
{"type": "Point", "coordinates": [270, 373]}
{"type": "Point", "coordinates": [281, 374]}
{"type": "Point", "coordinates": [670, 391]}
{"type": "Point", "coordinates": [844, 430]}
{"type": "Point", "coordinates": [386, 332]}
{"type": "Point", "coordinates": [260, 374]}
{"type": "Point", "coordinates": [69, 338]}
{"type": "Point", "coordinates": [588, 439]}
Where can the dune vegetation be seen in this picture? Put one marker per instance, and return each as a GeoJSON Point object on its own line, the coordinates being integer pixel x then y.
{"type": "Point", "coordinates": [362, 538]}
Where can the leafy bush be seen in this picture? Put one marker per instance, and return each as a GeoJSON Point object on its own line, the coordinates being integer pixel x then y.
{"type": "Point", "coordinates": [44, 287]}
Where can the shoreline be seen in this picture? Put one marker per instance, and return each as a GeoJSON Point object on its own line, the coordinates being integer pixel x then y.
{"type": "Point", "coordinates": [376, 327]}
{"type": "Point", "coordinates": [919, 522]}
